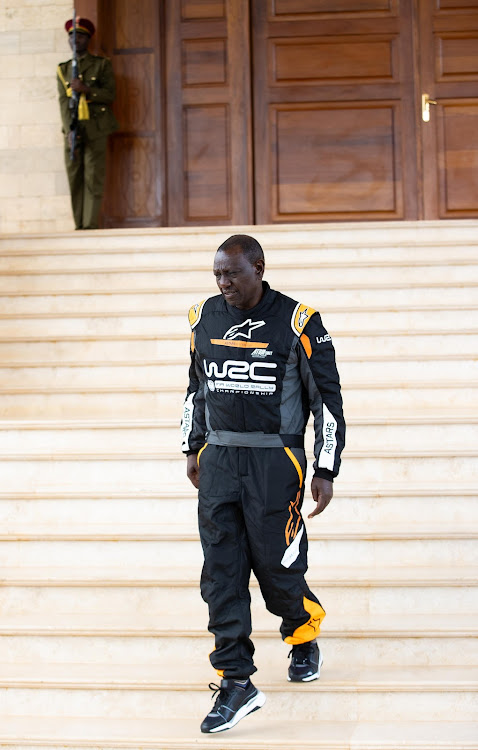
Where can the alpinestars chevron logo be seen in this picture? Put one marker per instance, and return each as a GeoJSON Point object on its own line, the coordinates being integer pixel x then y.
{"type": "Point", "coordinates": [243, 329]}
{"type": "Point", "coordinates": [303, 315]}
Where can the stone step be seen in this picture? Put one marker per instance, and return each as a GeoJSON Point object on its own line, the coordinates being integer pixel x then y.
{"type": "Point", "coordinates": [374, 641]}
{"type": "Point", "coordinates": [184, 549]}
{"type": "Point", "coordinates": [257, 733]}
{"type": "Point", "coordinates": [374, 346]}
{"type": "Point", "coordinates": [362, 235]}
{"type": "Point", "coordinates": [200, 280]}
{"type": "Point", "coordinates": [354, 694]}
{"type": "Point", "coordinates": [147, 472]}
{"type": "Point", "coordinates": [345, 591]}
{"type": "Point", "coordinates": [375, 300]}
{"type": "Point", "coordinates": [167, 403]}
{"type": "Point", "coordinates": [167, 373]}
{"type": "Point", "coordinates": [170, 530]}
{"type": "Point", "coordinates": [143, 323]}
{"type": "Point", "coordinates": [179, 254]}
{"type": "Point", "coordinates": [265, 627]}
{"type": "Point", "coordinates": [385, 505]}
{"type": "Point", "coordinates": [20, 436]}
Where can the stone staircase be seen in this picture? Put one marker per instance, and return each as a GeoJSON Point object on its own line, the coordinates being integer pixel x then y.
{"type": "Point", "coordinates": [103, 637]}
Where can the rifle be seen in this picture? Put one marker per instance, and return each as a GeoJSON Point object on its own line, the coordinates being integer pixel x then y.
{"type": "Point", "coordinates": [75, 96]}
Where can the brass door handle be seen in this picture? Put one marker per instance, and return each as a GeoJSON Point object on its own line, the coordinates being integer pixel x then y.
{"type": "Point", "coordinates": [426, 101]}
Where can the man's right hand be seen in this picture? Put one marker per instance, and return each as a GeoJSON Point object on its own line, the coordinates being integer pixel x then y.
{"type": "Point", "coordinates": [193, 469]}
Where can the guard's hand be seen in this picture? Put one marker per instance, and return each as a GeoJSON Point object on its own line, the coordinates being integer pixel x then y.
{"type": "Point", "coordinates": [193, 470]}
{"type": "Point", "coordinates": [78, 85]}
{"type": "Point", "coordinates": [322, 492]}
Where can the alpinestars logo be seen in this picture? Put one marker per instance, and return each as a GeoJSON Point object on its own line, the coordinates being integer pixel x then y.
{"type": "Point", "coordinates": [303, 317]}
{"type": "Point", "coordinates": [243, 329]}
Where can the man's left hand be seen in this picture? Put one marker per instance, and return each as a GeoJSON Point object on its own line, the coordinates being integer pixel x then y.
{"type": "Point", "coordinates": [322, 492]}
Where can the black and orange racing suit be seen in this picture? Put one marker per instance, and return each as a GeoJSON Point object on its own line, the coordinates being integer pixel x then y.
{"type": "Point", "coordinates": [255, 375]}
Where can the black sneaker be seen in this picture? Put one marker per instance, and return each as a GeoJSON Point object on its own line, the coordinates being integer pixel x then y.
{"type": "Point", "coordinates": [305, 663]}
{"type": "Point", "coordinates": [232, 704]}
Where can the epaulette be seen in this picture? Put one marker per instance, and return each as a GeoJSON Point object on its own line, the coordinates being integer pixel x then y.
{"type": "Point", "coordinates": [195, 313]}
{"type": "Point", "coordinates": [300, 317]}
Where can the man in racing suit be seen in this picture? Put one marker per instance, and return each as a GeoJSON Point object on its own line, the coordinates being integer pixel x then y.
{"type": "Point", "coordinates": [260, 362]}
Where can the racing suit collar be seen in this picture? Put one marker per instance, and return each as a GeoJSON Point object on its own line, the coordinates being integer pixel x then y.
{"type": "Point", "coordinates": [267, 299]}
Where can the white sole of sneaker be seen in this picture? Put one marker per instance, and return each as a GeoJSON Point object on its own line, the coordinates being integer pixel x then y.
{"type": "Point", "coordinates": [256, 702]}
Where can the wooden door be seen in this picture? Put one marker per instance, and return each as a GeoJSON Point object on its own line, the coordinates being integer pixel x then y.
{"type": "Point", "coordinates": [449, 75]}
{"type": "Point", "coordinates": [335, 125]}
{"type": "Point", "coordinates": [310, 110]}
{"type": "Point", "coordinates": [209, 142]}
{"type": "Point", "coordinates": [135, 184]}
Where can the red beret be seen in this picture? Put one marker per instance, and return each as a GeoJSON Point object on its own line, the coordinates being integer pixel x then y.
{"type": "Point", "coordinates": [82, 24]}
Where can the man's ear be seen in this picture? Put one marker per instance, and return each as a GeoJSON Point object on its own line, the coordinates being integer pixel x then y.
{"type": "Point", "coordinates": [260, 267]}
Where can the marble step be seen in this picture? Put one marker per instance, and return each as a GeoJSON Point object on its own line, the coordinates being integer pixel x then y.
{"type": "Point", "coordinates": [143, 323]}
{"type": "Point", "coordinates": [90, 472]}
{"type": "Point", "coordinates": [374, 346]}
{"type": "Point", "coordinates": [385, 505]}
{"type": "Point", "coordinates": [22, 436]}
{"type": "Point", "coordinates": [258, 732]}
{"type": "Point", "coordinates": [167, 403]}
{"type": "Point", "coordinates": [169, 553]}
{"type": "Point", "coordinates": [395, 639]}
{"type": "Point", "coordinates": [360, 694]}
{"type": "Point", "coordinates": [52, 253]}
{"type": "Point", "coordinates": [435, 299]}
{"type": "Point", "coordinates": [361, 235]}
{"type": "Point", "coordinates": [353, 373]}
{"type": "Point", "coordinates": [347, 591]}
{"type": "Point", "coordinates": [200, 280]}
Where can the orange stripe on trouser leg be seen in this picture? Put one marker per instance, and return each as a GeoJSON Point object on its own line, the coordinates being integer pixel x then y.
{"type": "Point", "coordinates": [310, 629]}
{"type": "Point", "coordinates": [291, 529]}
{"type": "Point", "coordinates": [199, 454]}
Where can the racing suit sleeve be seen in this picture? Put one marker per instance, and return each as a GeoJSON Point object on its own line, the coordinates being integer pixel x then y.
{"type": "Point", "coordinates": [318, 370]}
{"type": "Point", "coordinates": [193, 423]}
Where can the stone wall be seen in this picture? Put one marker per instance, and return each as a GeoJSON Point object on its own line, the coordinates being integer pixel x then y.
{"type": "Point", "coordinates": [34, 192]}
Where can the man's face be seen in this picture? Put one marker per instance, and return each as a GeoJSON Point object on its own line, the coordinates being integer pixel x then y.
{"type": "Point", "coordinates": [239, 281]}
{"type": "Point", "coordinates": [82, 42]}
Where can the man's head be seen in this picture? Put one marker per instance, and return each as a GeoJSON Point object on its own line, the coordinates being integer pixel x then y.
{"type": "Point", "coordinates": [84, 31]}
{"type": "Point", "coordinates": [238, 267]}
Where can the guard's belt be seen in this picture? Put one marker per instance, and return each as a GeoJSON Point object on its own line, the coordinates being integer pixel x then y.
{"type": "Point", "coordinates": [254, 439]}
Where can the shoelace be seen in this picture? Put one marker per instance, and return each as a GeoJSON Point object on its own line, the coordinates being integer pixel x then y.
{"type": "Point", "coordinates": [217, 689]}
{"type": "Point", "coordinates": [301, 652]}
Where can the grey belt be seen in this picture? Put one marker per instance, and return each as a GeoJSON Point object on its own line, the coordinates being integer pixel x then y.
{"type": "Point", "coordinates": [254, 439]}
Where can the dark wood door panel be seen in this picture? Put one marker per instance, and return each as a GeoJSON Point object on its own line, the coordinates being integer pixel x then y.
{"type": "Point", "coordinates": [449, 75]}
{"type": "Point", "coordinates": [135, 181]}
{"type": "Point", "coordinates": [316, 60]}
{"type": "Point", "coordinates": [207, 164]}
{"type": "Point", "coordinates": [135, 201]}
{"type": "Point", "coordinates": [335, 128]}
{"type": "Point", "coordinates": [314, 8]}
{"type": "Point", "coordinates": [457, 141]}
{"type": "Point", "coordinates": [209, 121]}
{"type": "Point", "coordinates": [335, 161]}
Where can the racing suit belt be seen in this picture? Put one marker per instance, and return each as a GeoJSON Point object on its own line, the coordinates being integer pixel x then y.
{"type": "Point", "coordinates": [254, 439]}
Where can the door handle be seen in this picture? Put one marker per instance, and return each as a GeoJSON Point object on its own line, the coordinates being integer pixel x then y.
{"type": "Point", "coordinates": [426, 101]}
